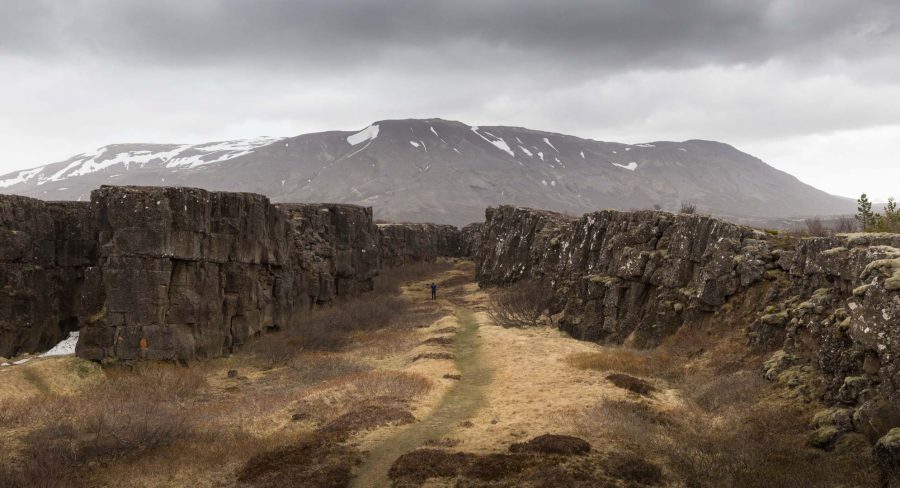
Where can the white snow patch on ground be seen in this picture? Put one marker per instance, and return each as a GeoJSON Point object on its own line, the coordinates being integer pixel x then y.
{"type": "Point", "coordinates": [457, 150]}
{"type": "Point", "coordinates": [630, 166]}
{"type": "Point", "coordinates": [199, 155]}
{"type": "Point", "coordinates": [22, 177]}
{"type": "Point", "coordinates": [682, 149]}
{"type": "Point", "coordinates": [628, 149]}
{"type": "Point", "coordinates": [544, 182]}
{"type": "Point", "coordinates": [615, 152]}
{"type": "Point", "coordinates": [414, 143]}
{"type": "Point", "coordinates": [582, 154]}
{"type": "Point", "coordinates": [367, 134]}
{"type": "Point", "coordinates": [519, 140]}
{"type": "Point", "coordinates": [526, 151]}
{"type": "Point", "coordinates": [499, 143]}
{"type": "Point", "coordinates": [65, 347]}
{"type": "Point", "coordinates": [185, 155]}
{"type": "Point", "coordinates": [645, 145]}
{"type": "Point", "coordinates": [22, 361]}
{"type": "Point", "coordinates": [541, 155]}
{"type": "Point", "coordinates": [553, 183]}
{"type": "Point", "coordinates": [433, 131]}
{"type": "Point", "coordinates": [550, 144]}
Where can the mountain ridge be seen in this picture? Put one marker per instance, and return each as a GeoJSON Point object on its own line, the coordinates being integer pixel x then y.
{"type": "Point", "coordinates": [447, 172]}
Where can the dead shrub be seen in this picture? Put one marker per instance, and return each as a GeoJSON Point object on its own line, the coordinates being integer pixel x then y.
{"type": "Point", "coordinates": [630, 383]}
{"type": "Point", "coordinates": [316, 368]}
{"type": "Point", "coordinates": [313, 460]}
{"type": "Point", "coordinates": [631, 361]}
{"type": "Point", "coordinates": [438, 341]}
{"type": "Point", "coordinates": [630, 423]}
{"type": "Point", "coordinates": [130, 414]}
{"type": "Point", "coordinates": [521, 304]}
{"type": "Point", "coordinates": [688, 208]}
{"type": "Point", "coordinates": [738, 389]}
{"type": "Point", "coordinates": [343, 395]}
{"type": "Point", "coordinates": [553, 444]}
{"type": "Point", "coordinates": [370, 416]}
{"type": "Point", "coordinates": [631, 468]}
{"type": "Point", "coordinates": [433, 355]}
{"type": "Point", "coordinates": [815, 227]}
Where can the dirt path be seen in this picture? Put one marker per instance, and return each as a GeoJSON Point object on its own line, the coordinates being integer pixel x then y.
{"type": "Point", "coordinates": [459, 403]}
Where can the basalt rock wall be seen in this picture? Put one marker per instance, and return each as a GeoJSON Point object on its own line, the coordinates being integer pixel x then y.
{"type": "Point", "coordinates": [188, 273]}
{"type": "Point", "coordinates": [620, 276]}
{"type": "Point", "coordinates": [401, 244]}
{"type": "Point", "coordinates": [831, 305]}
{"type": "Point", "coordinates": [47, 276]}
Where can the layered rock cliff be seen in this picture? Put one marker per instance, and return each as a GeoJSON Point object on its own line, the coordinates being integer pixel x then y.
{"type": "Point", "coordinates": [189, 273]}
{"type": "Point", "coordinates": [172, 273]}
{"type": "Point", "coordinates": [830, 304]}
{"type": "Point", "coordinates": [47, 251]}
{"type": "Point", "coordinates": [411, 243]}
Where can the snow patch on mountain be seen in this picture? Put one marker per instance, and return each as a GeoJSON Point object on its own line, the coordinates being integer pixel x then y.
{"type": "Point", "coordinates": [21, 177]}
{"type": "Point", "coordinates": [630, 166]}
{"type": "Point", "coordinates": [499, 143]}
{"type": "Point", "coordinates": [550, 144]}
{"type": "Point", "coordinates": [367, 134]}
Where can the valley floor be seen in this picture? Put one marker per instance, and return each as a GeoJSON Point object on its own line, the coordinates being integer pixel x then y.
{"type": "Point", "coordinates": [439, 397]}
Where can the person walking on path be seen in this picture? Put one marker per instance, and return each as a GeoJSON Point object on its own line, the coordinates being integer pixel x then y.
{"type": "Point", "coordinates": [433, 291]}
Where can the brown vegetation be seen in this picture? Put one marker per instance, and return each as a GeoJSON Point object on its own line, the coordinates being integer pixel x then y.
{"type": "Point", "coordinates": [725, 429]}
{"type": "Point", "coordinates": [287, 400]}
{"type": "Point", "coordinates": [520, 304]}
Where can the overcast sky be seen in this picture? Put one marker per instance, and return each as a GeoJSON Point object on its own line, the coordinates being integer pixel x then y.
{"type": "Point", "coordinates": [811, 87]}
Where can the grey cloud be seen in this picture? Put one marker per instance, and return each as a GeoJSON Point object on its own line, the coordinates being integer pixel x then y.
{"type": "Point", "coordinates": [320, 34]}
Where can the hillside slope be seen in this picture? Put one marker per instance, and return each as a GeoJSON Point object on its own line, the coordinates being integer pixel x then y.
{"type": "Point", "coordinates": [447, 172]}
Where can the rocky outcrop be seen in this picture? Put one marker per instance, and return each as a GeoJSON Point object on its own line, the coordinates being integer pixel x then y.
{"type": "Point", "coordinates": [619, 276]}
{"type": "Point", "coordinates": [47, 254]}
{"type": "Point", "coordinates": [830, 304]}
{"type": "Point", "coordinates": [181, 273]}
{"type": "Point", "coordinates": [411, 243]}
{"type": "Point", "coordinates": [838, 308]}
{"type": "Point", "coordinates": [344, 237]}
{"type": "Point", "coordinates": [470, 238]}
{"type": "Point", "coordinates": [187, 273]}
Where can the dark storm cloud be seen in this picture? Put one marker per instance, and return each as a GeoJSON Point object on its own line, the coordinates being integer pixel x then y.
{"type": "Point", "coordinates": [603, 35]}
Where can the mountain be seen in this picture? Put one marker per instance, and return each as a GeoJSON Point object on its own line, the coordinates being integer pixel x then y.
{"type": "Point", "coordinates": [444, 171]}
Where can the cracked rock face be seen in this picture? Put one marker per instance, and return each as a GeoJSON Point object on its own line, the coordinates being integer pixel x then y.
{"type": "Point", "coordinates": [401, 244]}
{"type": "Point", "coordinates": [188, 273]}
{"type": "Point", "coordinates": [831, 304]}
{"type": "Point", "coordinates": [47, 276]}
{"type": "Point", "coordinates": [620, 276]}
{"type": "Point", "coordinates": [172, 273]}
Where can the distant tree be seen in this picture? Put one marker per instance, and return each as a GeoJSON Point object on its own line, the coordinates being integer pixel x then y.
{"type": "Point", "coordinates": [890, 221]}
{"type": "Point", "coordinates": [864, 213]}
{"type": "Point", "coordinates": [657, 206]}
